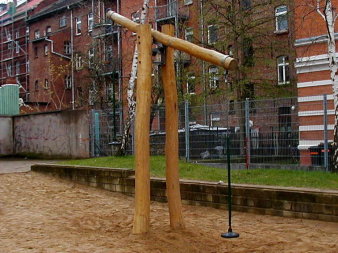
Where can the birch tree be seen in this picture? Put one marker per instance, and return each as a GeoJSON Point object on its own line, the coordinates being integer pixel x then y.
{"type": "Point", "coordinates": [131, 87]}
{"type": "Point", "coordinates": [327, 12]}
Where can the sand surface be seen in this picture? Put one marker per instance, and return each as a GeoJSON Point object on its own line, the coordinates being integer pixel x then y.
{"type": "Point", "coordinates": [39, 213]}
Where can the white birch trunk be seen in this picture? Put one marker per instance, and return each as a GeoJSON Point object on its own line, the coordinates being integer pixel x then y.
{"type": "Point", "coordinates": [329, 17]}
{"type": "Point", "coordinates": [131, 87]}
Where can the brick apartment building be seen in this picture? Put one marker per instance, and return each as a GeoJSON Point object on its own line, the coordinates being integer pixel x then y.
{"type": "Point", "coordinates": [14, 43]}
{"type": "Point", "coordinates": [77, 59]}
{"type": "Point", "coordinates": [313, 78]}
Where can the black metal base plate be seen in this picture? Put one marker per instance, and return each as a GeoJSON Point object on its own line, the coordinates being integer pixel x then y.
{"type": "Point", "coordinates": [230, 235]}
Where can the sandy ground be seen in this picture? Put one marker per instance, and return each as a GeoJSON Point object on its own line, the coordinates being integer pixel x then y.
{"type": "Point", "coordinates": [39, 213]}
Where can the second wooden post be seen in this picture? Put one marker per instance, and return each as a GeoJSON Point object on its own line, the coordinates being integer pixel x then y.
{"type": "Point", "coordinates": [142, 126]}
{"type": "Point", "coordinates": [171, 142]}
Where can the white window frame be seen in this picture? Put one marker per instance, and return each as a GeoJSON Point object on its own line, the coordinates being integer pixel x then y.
{"type": "Point", "coordinates": [91, 55]}
{"type": "Point", "coordinates": [48, 30]}
{"type": "Point", "coordinates": [189, 34]}
{"type": "Point", "coordinates": [136, 17]}
{"type": "Point", "coordinates": [46, 84]}
{"type": "Point", "coordinates": [78, 26]}
{"type": "Point", "coordinates": [37, 34]}
{"type": "Point", "coordinates": [279, 14]}
{"type": "Point", "coordinates": [63, 21]}
{"type": "Point", "coordinates": [187, 2]}
{"type": "Point", "coordinates": [46, 49]}
{"type": "Point", "coordinates": [213, 77]}
{"type": "Point", "coordinates": [210, 41]}
{"type": "Point", "coordinates": [67, 47]}
{"type": "Point", "coordinates": [90, 21]}
{"type": "Point", "coordinates": [190, 78]}
{"type": "Point", "coordinates": [284, 65]}
{"type": "Point", "coordinates": [9, 70]}
{"type": "Point", "coordinates": [17, 34]}
{"type": "Point", "coordinates": [78, 62]}
{"type": "Point", "coordinates": [68, 82]}
{"type": "Point", "coordinates": [9, 36]}
{"type": "Point", "coordinates": [17, 47]}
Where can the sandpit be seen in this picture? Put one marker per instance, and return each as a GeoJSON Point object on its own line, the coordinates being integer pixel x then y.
{"type": "Point", "coordinates": [39, 213]}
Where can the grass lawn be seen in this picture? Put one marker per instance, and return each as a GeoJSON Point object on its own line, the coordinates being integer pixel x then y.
{"type": "Point", "coordinates": [275, 177]}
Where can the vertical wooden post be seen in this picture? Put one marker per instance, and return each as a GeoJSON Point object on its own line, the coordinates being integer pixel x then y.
{"type": "Point", "coordinates": [171, 144]}
{"type": "Point", "coordinates": [142, 122]}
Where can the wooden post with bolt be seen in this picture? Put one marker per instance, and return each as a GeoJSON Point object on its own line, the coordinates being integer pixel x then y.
{"type": "Point", "coordinates": [142, 126]}
{"type": "Point", "coordinates": [171, 141]}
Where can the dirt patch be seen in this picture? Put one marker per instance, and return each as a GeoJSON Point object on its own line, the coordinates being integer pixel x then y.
{"type": "Point", "coordinates": [44, 214]}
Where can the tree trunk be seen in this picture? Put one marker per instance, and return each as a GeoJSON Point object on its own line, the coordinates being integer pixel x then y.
{"type": "Point", "coordinates": [131, 89]}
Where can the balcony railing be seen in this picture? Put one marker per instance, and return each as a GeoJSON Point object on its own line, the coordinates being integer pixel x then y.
{"type": "Point", "coordinates": [104, 29]}
{"type": "Point", "coordinates": [172, 10]}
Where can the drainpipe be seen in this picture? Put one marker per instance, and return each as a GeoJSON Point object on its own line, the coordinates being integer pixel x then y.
{"type": "Point", "coordinates": [203, 66]}
{"type": "Point", "coordinates": [72, 57]}
{"type": "Point", "coordinates": [119, 63]}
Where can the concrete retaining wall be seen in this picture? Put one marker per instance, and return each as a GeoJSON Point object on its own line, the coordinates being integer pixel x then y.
{"type": "Point", "coordinates": [6, 135]}
{"type": "Point", "coordinates": [52, 134]}
{"type": "Point", "coordinates": [287, 202]}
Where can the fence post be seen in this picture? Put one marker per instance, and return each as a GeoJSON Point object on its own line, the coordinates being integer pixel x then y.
{"type": "Point", "coordinates": [326, 145]}
{"type": "Point", "coordinates": [247, 132]}
{"type": "Point", "coordinates": [187, 130]}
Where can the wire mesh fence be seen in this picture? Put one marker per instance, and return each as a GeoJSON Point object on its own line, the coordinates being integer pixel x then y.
{"type": "Point", "coordinates": [284, 132]}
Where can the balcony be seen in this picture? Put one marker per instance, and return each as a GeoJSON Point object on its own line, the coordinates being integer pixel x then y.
{"type": "Point", "coordinates": [102, 30]}
{"type": "Point", "coordinates": [169, 12]}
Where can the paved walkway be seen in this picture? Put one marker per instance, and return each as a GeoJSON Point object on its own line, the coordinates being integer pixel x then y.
{"type": "Point", "coordinates": [18, 165]}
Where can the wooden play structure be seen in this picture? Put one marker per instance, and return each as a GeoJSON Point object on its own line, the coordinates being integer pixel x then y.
{"type": "Point", "coordinates": [145, 37]}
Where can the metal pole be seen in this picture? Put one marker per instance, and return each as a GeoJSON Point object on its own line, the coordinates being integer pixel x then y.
{"type": "Point", "coordinates": [187, 129]}
{"type": "Point", "coordinates": [326, 145]}
{"type": "Point", "coordinates": [230, 233]}
{"type": "Point", "coordinates": [247, 132]}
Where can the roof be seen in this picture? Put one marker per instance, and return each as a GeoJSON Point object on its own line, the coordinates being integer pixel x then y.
{"type": "Point", "coordinates": [4, 16]}
{"type": "Point", "coordinates": [55, 7]}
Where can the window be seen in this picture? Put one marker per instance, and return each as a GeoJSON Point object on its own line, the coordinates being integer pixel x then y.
{"type": "Point", "coordinates": [68, 82]}
{"type": "Point", "coordinates": [230, 50]}
{"type": "Point", "coordinates": [17, 47]}
{"type": "Point", "coordinates": [248, 52]}
{"type": "Point", "coordinates": [37, 34]}
{"type": "Point", "coordinates": [17, 68]}
{"type": "Point", "coordinates": [109, 53]}
{"type": "Point", "coordinates": [67, 47]}
{"type": "Point", "coordinates": [189, 34]}
{"type": "Point", "coordinates": [281, 18]}
{"type": "Point", "coordinates": [191, 84]}
{"type": "Point", "coordinates": [46, 49]}
{"type": "Point", "coordinates": [36, 84]}
{"type": "Point", "coordinates": [212, 34]}
{"type": "Point", "coordinates": [90, 21]}
{"type": "Point", "coordinates": [10, 45]}
{"type": "Point", "coordinates": [283, 70]}
{"type": "Point", "coordinates": [46, 84]}
{"type": "Point", "coordinates": [78, 62]}
{"type": "Point", "coordinates": [9, 70]}
{"type": "Point", "coordinates": [27, 30]}
{"type": "Point", "coordinates": [231, 107]}
{"type": "Point", "coordinates": [90, 57]}
{"type": "Point", "coordinates": [36, 55]}
{"type": "Point", "coordinates": [213, 77]}
{"type": "Point", "coordinates": [9, 36]}
{"type": "Point", "coordinates": [17, 34]}
{"type": "Point", "coordinates": [78, 26]}
{"type": "Point", "coordinates": [63, 21]}
{"type": "Point", "coordinates": [246, 4]}
{"type": "Point", "coordinates": [48, 30]}
{"type": "Point", "coordinates": [135, 16]}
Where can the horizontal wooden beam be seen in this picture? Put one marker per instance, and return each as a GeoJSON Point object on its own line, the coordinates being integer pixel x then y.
{"type": "Point", "coordinates": [204, 54]}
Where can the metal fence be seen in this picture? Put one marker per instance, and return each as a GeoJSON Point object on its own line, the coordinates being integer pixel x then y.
{"type": "Point", "coordinates": [287, 132]}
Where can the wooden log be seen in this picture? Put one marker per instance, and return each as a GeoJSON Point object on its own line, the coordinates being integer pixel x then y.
{"type": "Point", "coordinates": [205, 54]}
{"type": "Point", "coordinates": [171, 141]}
{"type": "Point", "coordinates": [142, 126]}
